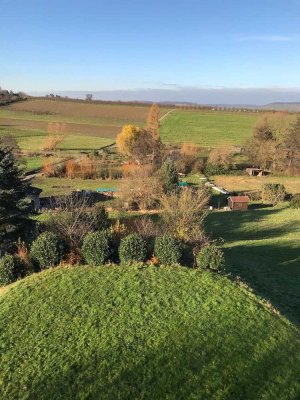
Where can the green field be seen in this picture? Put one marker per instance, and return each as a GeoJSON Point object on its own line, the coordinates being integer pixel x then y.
{"type": "Point", "coordinates": [61, 186]}
{"type": "Point", "coordinates": [135, 332]}
{"type": "Point", "coordinates": [207, 128]}
{"type": "Point", "coordinates": [262, 247]}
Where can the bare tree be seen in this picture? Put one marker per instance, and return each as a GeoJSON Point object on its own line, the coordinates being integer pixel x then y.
{"type": "Point", "coordinates": [184, 213]}
{"type": "Point", "coordinates": [76, 218]}
{"type": "Point", "coordinates": [142, 188]}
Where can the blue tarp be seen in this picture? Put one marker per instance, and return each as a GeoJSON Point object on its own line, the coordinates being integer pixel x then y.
{"type": "Point", "coordinates": [106, 190]}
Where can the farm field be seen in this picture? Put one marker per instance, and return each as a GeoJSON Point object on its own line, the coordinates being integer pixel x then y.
{"type": "Point", "coordinates": [130, 331]}
{"type": "Point", "coordinates": [207, 128]}
{"type": "Point", "coordinates": [90, 126]}
{"type": "Point", "coordinates": [83, 119]}
{"type": "Point", "coordinates": [262, 248]}
{"type": "Point", "coordinates": [85, 126]}
{"type": "Point", "coordinates": [248, 183]}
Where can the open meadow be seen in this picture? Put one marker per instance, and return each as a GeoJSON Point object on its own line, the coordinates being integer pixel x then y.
{"type": "Point", "coordinates": [207, 128]}
{"type": "Point", "coordinates": [242, 183]}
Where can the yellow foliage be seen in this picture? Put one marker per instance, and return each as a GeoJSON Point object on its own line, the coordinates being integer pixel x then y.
{"type": "Point", "coordinates": [126, 138]}
{"type": "Point", "coordinates": [189, 149]}
{"type": "Point", "coordinates": [153, 121]}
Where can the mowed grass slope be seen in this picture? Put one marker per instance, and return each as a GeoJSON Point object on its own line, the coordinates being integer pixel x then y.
{"type": "Point", "coordinates": [207, 128]}
{"type": "Point", "coordinates": [134, 332]}
{"type": "Point", "coordinates": [262, 247]}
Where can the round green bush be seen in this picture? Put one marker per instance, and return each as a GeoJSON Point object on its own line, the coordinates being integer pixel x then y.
{"type": "Point", "coordinates": [96, 248]}
{"type": "Point", "coordinates": [295, 202]}
{"type": "Point", "coordinates": [133, 248]}
{"type": "Point", "coordinates": [47, 250]}
{"type": "Point", "coordinates": [211, 257]}
{"type": "Point", "coordinates": [7, 269]}
{"type": "Point", "coordinates": [167, 250]}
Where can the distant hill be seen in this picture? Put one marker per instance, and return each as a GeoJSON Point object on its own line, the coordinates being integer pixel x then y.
{"type": "Point", "coordinates": [282, 106]}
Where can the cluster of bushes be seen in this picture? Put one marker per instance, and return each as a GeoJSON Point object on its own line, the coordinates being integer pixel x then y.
{"type": "Point", "coordinates": [48, 250]}
{"type": "Point", "coordinates": [90, 170]}
{"type": "Point", "coordinates": [273, 193]}
{"type": "Point", "coordinates": [295, 201]}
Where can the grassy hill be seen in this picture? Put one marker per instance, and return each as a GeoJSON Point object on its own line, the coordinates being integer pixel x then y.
{"type": "Point", "coordinates": [142, 333]}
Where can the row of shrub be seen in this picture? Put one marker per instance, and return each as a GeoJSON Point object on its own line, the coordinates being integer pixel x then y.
{"type": "Point", "coordinates": [99, 248]}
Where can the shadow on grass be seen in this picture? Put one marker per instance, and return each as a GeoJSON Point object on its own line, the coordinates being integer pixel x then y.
{"type": "Point", "coordinates": [246, 225]}
{"type": "Point", "coordinates": [270, 263]}
{"type": "Point", "coordinates": [272, 271]}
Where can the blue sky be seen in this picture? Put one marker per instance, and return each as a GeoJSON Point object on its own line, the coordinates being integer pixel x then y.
{"type": "Point", "coordinates": [167, 45]}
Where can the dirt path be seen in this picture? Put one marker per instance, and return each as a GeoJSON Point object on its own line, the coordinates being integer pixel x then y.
{"type": "Point", "coordinates": [166, 114]}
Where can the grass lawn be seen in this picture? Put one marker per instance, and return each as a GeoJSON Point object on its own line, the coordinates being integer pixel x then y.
{"type": "Point", "coordinates": [134, 332]}
{"type": "Point", "coordinates": [60, 186]}
{"type": "Point", "coordinates": [262, 247]}
{"type": "Point", "coordinates": [246, 182]}
{"type": "Point", "coordinates": [33, 163]}
{"type": "Point", "coordinates": [207, 128]}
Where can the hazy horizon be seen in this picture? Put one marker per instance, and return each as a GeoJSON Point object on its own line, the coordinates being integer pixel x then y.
{"type": "Point", "coordinates": [242, 96]}
{"type": "Point", "coordinates": [208, 52]}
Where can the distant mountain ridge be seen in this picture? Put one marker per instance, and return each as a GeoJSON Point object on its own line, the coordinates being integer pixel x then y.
{"type": "Point", "coordinates": [289, 106]}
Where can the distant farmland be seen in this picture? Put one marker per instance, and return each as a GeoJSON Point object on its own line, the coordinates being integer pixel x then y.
{"type": "Point", "coordinates": [89, 126]}
{"type": "Point", "coordinates": [207, 128]}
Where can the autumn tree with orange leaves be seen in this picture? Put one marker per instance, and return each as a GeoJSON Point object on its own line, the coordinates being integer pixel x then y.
{"type": "Point", "coordinates": [153, 121]}
{"type": "Point", "coordinates": [56, 134]}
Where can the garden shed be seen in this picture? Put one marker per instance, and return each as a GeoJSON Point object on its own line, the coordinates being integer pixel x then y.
{"type": "Point", "coordinates": [238, 203]}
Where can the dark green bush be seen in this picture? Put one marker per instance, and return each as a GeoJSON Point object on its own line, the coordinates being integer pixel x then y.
{"type": "Point", "coordinates": [295, 202]}
{"type": "Point", "coordinates": [211, 257]}
{"type": "Point", "coordinates": [167, 249]}
{"type": "Point", "coordinates": [212, 169]}
{"type": "Point", "coordinates": [7, 269]}
{"type": "Point", "coordinates": [102, 220]}
{"type": "Point", "coordinates": [96, 248]}
{"type": "Point", "coordinates": [133, 248]}
{"type": "Point", "coordinates": [47, 250]}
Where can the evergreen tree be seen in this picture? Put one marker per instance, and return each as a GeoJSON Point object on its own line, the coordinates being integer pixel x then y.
{"type": "Point", "coordinates": [14, 210]}
{"type": "Point", "coordinates": [169, 176]}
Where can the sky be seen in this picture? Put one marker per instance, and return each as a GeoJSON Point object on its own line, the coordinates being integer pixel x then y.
{"type": "Point", "coordinates": [218, 51]}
